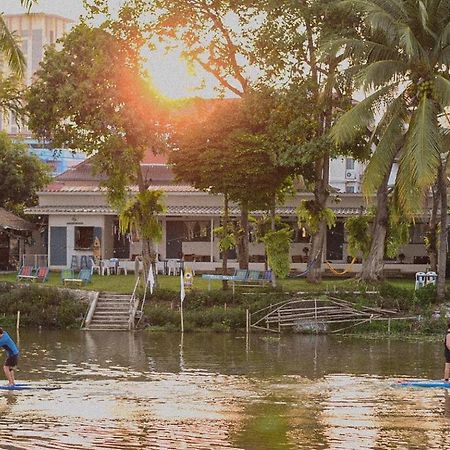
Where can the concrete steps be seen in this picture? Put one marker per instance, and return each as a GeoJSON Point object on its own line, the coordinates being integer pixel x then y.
{"type": "Point", "coordinates": [112, 312]}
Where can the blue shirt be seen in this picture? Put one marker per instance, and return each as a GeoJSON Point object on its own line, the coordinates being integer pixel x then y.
{"type": "Point", "coordinates": [8, 344]}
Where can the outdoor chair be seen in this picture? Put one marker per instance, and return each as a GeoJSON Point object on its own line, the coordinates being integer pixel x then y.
{"type": "Point", "coordinates": [25, 273]}
{"type": "Point", "coordinates": [42, 274]}
{"type": "Point", "coordinates": [85, 276]}
{"type": "Point", "coordinates": [67, 274]}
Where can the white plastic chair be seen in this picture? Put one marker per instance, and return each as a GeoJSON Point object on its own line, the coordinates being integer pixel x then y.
{"type": "Point", "coordinates": [430, 278]}
{"type": "Point", "coordinates": [420, 280]}
{"type": "Point", "coordinates": [172, 267]}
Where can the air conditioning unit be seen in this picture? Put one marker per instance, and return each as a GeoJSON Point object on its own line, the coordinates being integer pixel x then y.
{"type": "Point", "coordinates": [350, 174]}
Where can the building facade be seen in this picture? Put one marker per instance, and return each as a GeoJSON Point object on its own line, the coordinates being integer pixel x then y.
{"type": "Point", "coordinates": [78, 215]}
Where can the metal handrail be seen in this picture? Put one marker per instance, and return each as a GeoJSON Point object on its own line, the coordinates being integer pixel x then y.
{"type": "Point", "coordinates": [133, 306]}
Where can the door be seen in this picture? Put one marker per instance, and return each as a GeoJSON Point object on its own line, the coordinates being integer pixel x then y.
{"type": "Point", "coordinates": [58, 246]}
{"type": "Point", "coordinates": [335, 242]}
{"type": "Point", "coordinates": [175, 231]}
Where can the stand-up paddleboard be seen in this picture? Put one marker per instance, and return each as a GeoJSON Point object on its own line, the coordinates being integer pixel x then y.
{"type": "Point", "coordinates": [425, 383]}
{"type": "Point", "coordinates": [29, 386]}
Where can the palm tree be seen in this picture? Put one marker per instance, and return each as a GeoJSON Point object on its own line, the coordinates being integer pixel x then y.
{"type": "Point", "coordinates": [405, 75]}
{"type": "Point", "coordinates": [10, 93]}
{"type": "Point", "coordinates": [10, 49]}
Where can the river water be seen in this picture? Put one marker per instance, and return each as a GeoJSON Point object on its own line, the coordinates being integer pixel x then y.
{"type": "Point", "coordinates": [215, 391]}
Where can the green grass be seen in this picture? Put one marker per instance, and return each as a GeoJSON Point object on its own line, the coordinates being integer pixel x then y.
{"type": "Point", "coordinates": [125, 283]}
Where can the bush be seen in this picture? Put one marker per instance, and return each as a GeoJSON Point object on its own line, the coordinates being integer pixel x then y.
{"type": "Point", "coordinates": [42, 306]}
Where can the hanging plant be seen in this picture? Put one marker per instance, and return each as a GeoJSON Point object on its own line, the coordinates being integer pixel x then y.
{"type": "Point", "coordinates": [310, 216]}
{"type": "Point", "coordinates": [227, 238]}
{"type": "Point", "coordinates": [277, 247]}
{"type": "Point", "coordinates": [358, 232]}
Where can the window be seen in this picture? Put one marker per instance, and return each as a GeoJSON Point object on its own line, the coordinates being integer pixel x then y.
{"type": "Point", "coordinates": [84, 238]}
{"type": "Point", "coordinates": [350, 189]}
{"type": "Point", "coordinates": [349, 163]}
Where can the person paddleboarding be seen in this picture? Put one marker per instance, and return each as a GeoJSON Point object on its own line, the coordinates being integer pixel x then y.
{"type": "Point", "coordinates": [12, 353]}
{"type": "Point", "coordinates": [447, 354]}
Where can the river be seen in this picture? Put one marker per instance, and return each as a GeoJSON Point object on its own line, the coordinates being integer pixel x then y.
{"type": "Point", "coordinates": [218, 391]}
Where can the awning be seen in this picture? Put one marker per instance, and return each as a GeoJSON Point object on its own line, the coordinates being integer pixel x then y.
{"type": "Point", "coordinates": [176, 211]}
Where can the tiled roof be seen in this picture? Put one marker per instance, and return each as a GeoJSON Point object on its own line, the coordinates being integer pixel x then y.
{"type": "Point", "coordinates": [174, 210]}
{"type": "Point", "coordinates": [60, 187]}
{"type": "Point", "coordinates": [8, 220]}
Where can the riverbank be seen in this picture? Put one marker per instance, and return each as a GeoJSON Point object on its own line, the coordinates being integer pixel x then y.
{"type": "Point", "coordinates": [224, 311]}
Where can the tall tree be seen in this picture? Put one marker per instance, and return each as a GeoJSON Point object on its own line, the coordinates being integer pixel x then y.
{"type": "Point", "coordinates": [223, 153]}
{"type": "Point", "coordinates": [276, 41]}
{"type": "Point", "coordinates": [406, 75]}
{"type": "Point", "coordinates": [91, 95]}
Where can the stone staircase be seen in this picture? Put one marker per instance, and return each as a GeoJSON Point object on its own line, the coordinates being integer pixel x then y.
{"type": "Point", "coordinates": [112, 312]}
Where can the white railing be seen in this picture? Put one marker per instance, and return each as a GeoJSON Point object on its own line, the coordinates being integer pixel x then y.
{"type": "Point", "coordinates": [133, 304]}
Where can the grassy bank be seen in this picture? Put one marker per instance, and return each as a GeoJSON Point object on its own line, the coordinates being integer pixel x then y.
{"type": "Point", "coordinates": [209, 307]}
{"type": "Point", "coordinates": [124, 284]}
{"type": "Point", "coordinates": [48, 307]}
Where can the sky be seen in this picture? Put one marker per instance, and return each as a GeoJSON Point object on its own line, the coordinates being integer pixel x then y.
{"type": "Point", "coordinates": [170, 74]}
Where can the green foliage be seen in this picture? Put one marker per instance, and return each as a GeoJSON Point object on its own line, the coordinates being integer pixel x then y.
{"type": "Point", "coordinates": [357, 228]}
{"type": "Point", "coordinates": [10, 49]}
{"type": "Point", "coordinates": [310, 215]}
{"type": "Point", "coordinates": [139, 215]}
{"type": "Point", "coordinates": [21, 174]}
{"type": "Point", "coordinates": [227, 239]}
{"type": "Point", "coordinates": [42, 306]}
{"type": "Point", "coordinates": [397, 232]}
{"type": "Point", "coordinates": [90, 94]}
{"type": "Point", "coordinates": [277, 248]}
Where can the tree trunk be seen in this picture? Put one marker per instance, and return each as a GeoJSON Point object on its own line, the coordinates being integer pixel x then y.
{"type": "Point", "coordinates": [225, 251]}
{"type": "Point", "coordinates": [433, 230]}
{"type": "Point", "coordinates": [372, 267]}
{"type": "Point", "coordinates": [443, 235]}
{"type": "Point", "coordinates": [321, 195]}
{"type": "Point", "coordinates": [243, 237]}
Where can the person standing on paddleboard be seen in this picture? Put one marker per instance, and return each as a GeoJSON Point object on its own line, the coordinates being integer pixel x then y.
{"type": "Point", "coordinates": [447, 354]}
{"type": "Point", "coordinates": [13, 353]}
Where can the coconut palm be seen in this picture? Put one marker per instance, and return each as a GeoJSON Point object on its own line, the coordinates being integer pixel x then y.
{"type": "Point", "coordinates": [10, 49]}
{"type": "Point", "coordinates": [405, 74]}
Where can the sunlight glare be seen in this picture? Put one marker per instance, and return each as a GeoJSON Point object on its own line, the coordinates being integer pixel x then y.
{"type": "Point", "coordinates": [172, 77]}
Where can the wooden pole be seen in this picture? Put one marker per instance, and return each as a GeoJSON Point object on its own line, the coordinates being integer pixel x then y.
{"type": "Point", "coordinates": [18, 320]}
{"type": "Point", "coordinates": [182, 321]}
{"type": "Point", "coordinates": [247, 325]}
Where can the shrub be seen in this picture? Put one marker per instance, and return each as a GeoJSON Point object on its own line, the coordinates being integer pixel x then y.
{"type": "Point", "coordinates": [42, 306]}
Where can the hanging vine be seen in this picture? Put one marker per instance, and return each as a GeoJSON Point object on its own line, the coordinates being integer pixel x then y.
{"type": "Point", "coordinates": [310, 215]}
{"type": "Point", "coordinates": [277, 248]}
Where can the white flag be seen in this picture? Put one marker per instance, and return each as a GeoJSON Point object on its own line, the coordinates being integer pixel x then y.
{"type": "Point", "coordinates": [182, 293]}
{"type": "Point", "coordinates": [151, 279]}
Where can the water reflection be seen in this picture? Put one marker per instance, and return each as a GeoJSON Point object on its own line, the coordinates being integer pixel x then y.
{"type": "Point", "coordinates": [212, 391]}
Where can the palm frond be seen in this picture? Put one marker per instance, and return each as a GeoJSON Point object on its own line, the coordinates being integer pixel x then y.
{"type": "Point", "coordinates": [391, 131]}
{"type": "Point", "coordinates": [394, 8]}
{"type": "Point", "coordinates": [442, 42]}
{"type": "Point", "coordinates": [411, 44]}
{"type": "Point", "coordinates": [380, 73]}
{"type": "Point", "coordinates": [360, 49]}
{"type": "Point", "coordinates": [442, 91]}
{"type": "Point", "coordinates": [27, 3]}
{"type": "Point", "coordinates": [351, 124]}
{"type": "Point", "coordinates": [10, 48]}
{"type": "Point", "coordinates": [423, 144]}
{"type": "Point", "coordinates": [424, 18]}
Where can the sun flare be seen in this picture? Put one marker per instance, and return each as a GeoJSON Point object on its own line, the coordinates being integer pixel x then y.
{"type": "Point", "coordinates": [172, 77]}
